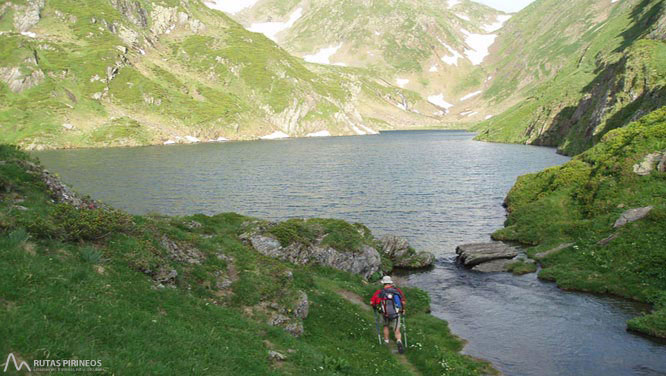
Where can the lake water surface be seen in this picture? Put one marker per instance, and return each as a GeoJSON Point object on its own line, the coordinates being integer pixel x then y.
{"type": "Point", "coordinates": [437, 188]}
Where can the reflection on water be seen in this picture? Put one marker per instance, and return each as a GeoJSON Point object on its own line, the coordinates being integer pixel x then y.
{"type": "Point", "coordinates": [438, 189]}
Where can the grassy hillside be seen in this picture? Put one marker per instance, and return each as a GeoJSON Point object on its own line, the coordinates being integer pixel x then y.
{"type": "Point", "coordinates": [580, 202]}
{"type": "Point", "coordinates": [170, 295]}
{"type": "Point", "coordinates": [133, 73]}
{"type": "Point", "coordinates": [570, 71]}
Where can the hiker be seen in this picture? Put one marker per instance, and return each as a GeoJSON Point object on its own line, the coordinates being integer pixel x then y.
{"type": "Point", "coordinates": [390, 302]}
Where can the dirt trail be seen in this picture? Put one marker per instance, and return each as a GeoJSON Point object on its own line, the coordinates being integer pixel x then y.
{"type": "Point", "coordinates": [358, 301]}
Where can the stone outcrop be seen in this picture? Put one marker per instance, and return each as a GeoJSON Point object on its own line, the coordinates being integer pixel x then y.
{"type": "Point", "coordinates": [18, 80]}
{"type": "Point", "coordinates": [365, 262]}
{"type": "Point", "coordinates": [27, 16]}
{"type": "Point", "coordinates": [632, 215]}
{"type": "Point", "coordinates": [181, 253]}
{"type": "Point", "coordinates": [650, 163]}
{"type": "Point", "coordinates": [474, 254]}
{"type": "Point", "coordinates": [291, 320]}
{"type": "Point", "coordinates": [397, 249]}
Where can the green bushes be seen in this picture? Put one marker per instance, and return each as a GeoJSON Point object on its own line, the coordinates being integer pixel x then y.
{"type": "Point", "coordinates": [70, 223]}
{"type": "Point", "coordinates": [335, 233]}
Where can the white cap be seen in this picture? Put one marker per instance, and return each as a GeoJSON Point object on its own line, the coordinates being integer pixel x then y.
{"type": "Point", "coordinates": [387, 280]}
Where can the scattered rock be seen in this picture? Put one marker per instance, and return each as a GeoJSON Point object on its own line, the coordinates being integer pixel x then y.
{"type": "Point", "coordinates": [20, 208]}
{"type": "Point", "coordinates": [68, 126]}
{"type": "Point", "coordinates": [186, 254]}
{"type": "Point", "coordinates": [549, 252]}
{"type": "Point", "coordinates": [302, 306]}
{"type": "Point", "coordinates": [292, 326]}
{"type": "Point", "coordinates": [608, 239]}
{"type": "Point", "coordinates": [165, 276]}
{"type": "Point", "coordinates": [495, 266]}
{"type": "Point", "coordinates": [403, 256]}
{"type": "Point", "coordinates": [478, 253]}
{"type": "Point", "coordinates": [632, 215]}
{"type": "Point", "coordinates": [193, 225]}
{"type": "Point", "coordinates": [365, 262]}
{"type": "Point", "coordinates": [648, 164]}
{"type": "Point", "coordinates": [276, 356]}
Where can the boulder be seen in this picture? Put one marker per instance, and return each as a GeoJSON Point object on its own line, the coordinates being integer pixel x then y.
{"type": "Point", "coordinates": [276, 356]}
{"type": "Point", "coordinates": [403, 256]}
{"type": "Point", "coordinates": [495, 266]}
{"type": "Point", "coordinates": [474, 254]}
{"type": "Point", "coordinates": [365, 262]}
{"type": "Point", "coordinates": [632, 215]}
{"type": "Point", "coordinates": [648, 164]}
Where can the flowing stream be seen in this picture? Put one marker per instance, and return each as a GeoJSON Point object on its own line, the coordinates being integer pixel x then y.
{"type": "Point", "coordinates": [437, 188]}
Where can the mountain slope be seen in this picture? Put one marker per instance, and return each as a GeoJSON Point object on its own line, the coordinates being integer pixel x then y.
{"type": "Point", "coordinates": [592, 66]}
{"type": "Point", "coordinates": [580, 204]}
{"type": "Point", "coordinates": [433, 47]}
{"type": "Point", "coordinates": [123, 72]}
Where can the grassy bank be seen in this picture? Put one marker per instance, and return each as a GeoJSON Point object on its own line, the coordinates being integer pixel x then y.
{"type": "Point", "coordinates": [171, 295]}
{"type": "Point", "coordinates": [580, 202]}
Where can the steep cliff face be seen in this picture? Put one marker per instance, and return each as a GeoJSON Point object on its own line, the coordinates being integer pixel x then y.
{"type": "Point", "coordinates": [122, 72]}
{"type": "Point", "coordinates": [615, 74]}
{"type": "Point", "coordinates": [623, 92]}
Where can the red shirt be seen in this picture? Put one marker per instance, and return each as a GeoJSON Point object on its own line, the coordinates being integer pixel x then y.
{"type": "Point", "coordinates": [376, 300]}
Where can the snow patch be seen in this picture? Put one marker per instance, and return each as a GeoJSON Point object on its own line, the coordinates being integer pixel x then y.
{"type": "Point", "coordinates": [433, 68]}
{"type": "Point", "coordinates": [319, 134]}
{"type": "Point", "coordinates": [220, 139]}
{"type": "Point", "coordinates": [453, 3]}
{"type": "Point", "coordinates": [488, 117]}
{"type": "Point", "coordinates": [453, 59]}
{"type": "Point", "coordinates": [438, 100]}
{"type": "Point", "coordinates": [272, 29]}
{"type": "Point", "coordinates": [28, 34]}
{"type": "Point", "coordinates": [323, 56]}
{"type": "Point", "coordinates": [230, 6]}
{"type": "Point", "coordinates": [463, 17]}
{"type": "Point", "coordinates": [402, 81]}
{"type": "Point", "coordinates": [170, 142]}
{"type": "Point", "coordinates": [368, 130]}
{"type": "Point", "coordinates": [357, 131]}
{"type": "Point", "coordinates": [499, 22]}
{"type": "Point", "coordinates": [191, 139]}
{"type": "Point", "coordinates": [479, 44]}
{"type": "Point", "coordinates": [613, 1]}
{"type": "Point", "coordinates": [275, 136]}
{"type": "Point", "coordinates": [489, 78]}
{"type": "Point", "coordinates": [470, 95]}
{"type": "Point", "coordinates": [468, 113]}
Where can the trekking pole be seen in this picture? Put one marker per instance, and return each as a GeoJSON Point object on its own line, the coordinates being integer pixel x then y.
{"type": "Point", "coordinates": [379, 337]}
{"type": "Point", "coordinates": [404, 329]}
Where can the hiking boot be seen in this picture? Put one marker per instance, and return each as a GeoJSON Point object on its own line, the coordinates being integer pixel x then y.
{"type": "Point", "coordinates": [401, 349]}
